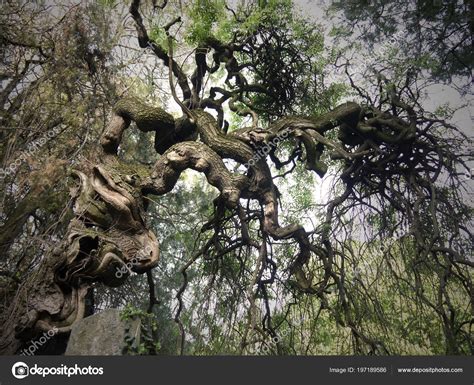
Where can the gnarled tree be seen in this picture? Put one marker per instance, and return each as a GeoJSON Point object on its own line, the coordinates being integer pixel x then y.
{"type": "Point", "coordinates": [391, 160]}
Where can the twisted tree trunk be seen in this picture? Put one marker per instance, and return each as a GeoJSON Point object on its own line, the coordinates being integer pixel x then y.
{"type": "Point", "coordinates": [108, 231]}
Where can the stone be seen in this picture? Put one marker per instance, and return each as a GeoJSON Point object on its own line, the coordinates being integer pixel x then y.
{"type": "Point", "coordinates": [103, 333]}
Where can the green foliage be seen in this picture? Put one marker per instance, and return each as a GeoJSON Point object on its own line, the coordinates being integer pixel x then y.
{"type": "Point", "coordinates": [107, 3]}
{"type": "Point", "coordinates": [444, 111]}
{"type": "Point", "coordinates": [149, 327]}
{"type": "Point", "coordinates": [270, 12]}
{"type": "Point", "coordinates": [131, 312]}
{"type": "Point", "coordinates": [158, 35]}
{"type": "Point", "coordinates": [208, 17]}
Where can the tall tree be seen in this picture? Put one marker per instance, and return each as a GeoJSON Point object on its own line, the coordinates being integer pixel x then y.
{"type": "Point", "coordinates": [254, 111]}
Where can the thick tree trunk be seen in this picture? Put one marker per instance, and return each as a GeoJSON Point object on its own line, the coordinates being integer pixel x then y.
{"type": "Point", "coordinates": [105, 241]}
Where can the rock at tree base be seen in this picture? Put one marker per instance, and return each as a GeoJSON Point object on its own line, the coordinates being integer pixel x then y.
{"type": "Point", "coordinates": [103, 334]}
